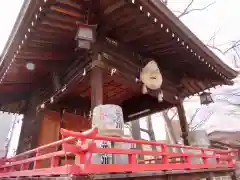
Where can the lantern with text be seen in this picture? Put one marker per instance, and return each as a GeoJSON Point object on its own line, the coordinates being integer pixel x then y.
{"type": "Point", "coordinates": [205, 98]}
{"type": "Point", "coordinates": [86, 35]}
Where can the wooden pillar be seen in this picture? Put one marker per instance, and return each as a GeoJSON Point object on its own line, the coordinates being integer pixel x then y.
{"type": "Point", "coordinates": [210, 176]}
{"type": "Point", "coordinates": [31, 126]}
{"type": "Point", "coordinates": [183, 122]}
{"type": "Point", "coordinates": [169, 128]}
{"type": "Point", "coordinates": [96, 83]}
{"type": "Point", "coordinates": [234, 176]}
{"type": "Point", "coordinates": [136, 134]}
{"type": "Point", "coordinates": [151, 131]}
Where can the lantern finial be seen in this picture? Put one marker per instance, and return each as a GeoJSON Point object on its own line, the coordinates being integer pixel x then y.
{"type": "Point", "coordinates": [86, 35]}
{"type": "Point", "coordinates": [205, 98]}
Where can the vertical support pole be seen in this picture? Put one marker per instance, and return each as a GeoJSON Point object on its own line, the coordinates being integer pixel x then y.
{"type": "Point", "coordinates": [150, 128]}
{"type": "Point", "coordinates": [61, 126]}
{"type": "Point", "coordinates": [136, 134]}
{"type": "Point", "coordinates": [234, 176]}
{"type": "Point", "coordinates": [96, 82]}
{"type": "Point", "coordinates": [151, 131]}
{"type": "Point", "coordinates": [210, 177]}
{"type": "Point", "coordinates": [30, 130]}
{"type": "Point", "coordinates": [164, 157]}
{"type": "Point", "coordinates": [169, 128]}
{"type": "Point", "coordinates": [183, 122]}
{"type": "Point", "coordinates": [56, 81]}
{"type": "Point", "coordinates": [62, 111]}
{"type": "Point", "coordinates": [36, 163]}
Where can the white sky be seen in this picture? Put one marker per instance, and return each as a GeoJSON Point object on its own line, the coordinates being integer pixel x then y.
{"type": "Point", "coordinates": [222, 17]}
{"type": "Point", "coordinates": [8, 13]}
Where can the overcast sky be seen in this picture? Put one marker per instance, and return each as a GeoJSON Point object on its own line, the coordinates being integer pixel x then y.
{"type": "Point", "coordinates": [221, 17]}
{"type": "Point", "coordinates": [8, 13]}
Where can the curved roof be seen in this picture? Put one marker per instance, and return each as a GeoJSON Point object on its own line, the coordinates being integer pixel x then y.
{"type": "Point", "coordinates": [44, 34]}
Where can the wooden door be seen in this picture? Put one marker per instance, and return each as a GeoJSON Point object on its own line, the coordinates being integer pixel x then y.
{"type": "Point", "coordinates": [49, 132]}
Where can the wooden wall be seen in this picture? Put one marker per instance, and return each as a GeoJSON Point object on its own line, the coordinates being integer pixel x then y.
{"type": "Point", "coordinates": [76, 122]}
{"type": "Point", "coordinates": [50, 125]}
{"type": "Point", "coordinates": [50, 129]}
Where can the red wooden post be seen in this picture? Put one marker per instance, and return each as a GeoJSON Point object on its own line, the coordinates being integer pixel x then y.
{"type": "Point", "coordinates": [36, 162]}
{"type": "Point", "coordinates": [132, 161]}
{"type": "Point", "coordinates": [187, 159]}
{"type": "Point", "coordinates": [25, 166]}
{"type": "Point", "coordinates": [55, 161]}
{"type": "Point", "coordinates": [204, 158]}
{"type": "Point", "coordinates": [84, 157]}
{"type": "Point", "coordinates": [231, 159]}
{"type": "Point", "coordinates": [164, 156]}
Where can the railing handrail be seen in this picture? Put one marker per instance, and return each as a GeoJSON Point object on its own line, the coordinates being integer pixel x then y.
{"type": "Point", "coordinates": [56, 143]}
{"type": "Point", "coordinates": [142, 142]}
{"type": "Point", "coordinates": [86, 146]}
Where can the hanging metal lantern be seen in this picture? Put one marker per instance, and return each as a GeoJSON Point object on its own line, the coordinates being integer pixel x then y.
{"type": "Point", "coordinates": [86, 35]}
{"type": "Point", "coordinates": [205, 98]}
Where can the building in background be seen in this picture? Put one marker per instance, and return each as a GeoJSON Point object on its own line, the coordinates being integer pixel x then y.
{"type": "Point", "coordinates": [13, 136]}
{"type": "Point", "coordinates": [6, 121]}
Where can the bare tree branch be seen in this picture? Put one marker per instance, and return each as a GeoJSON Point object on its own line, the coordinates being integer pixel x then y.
{"type": "Point", "coordinates": [236, 58]}
{"type": "Point", "coordinates": [165, 2]}
{"type": "Point", "coordinates": [187, 10]}
{"type": "Point", "coordinates": [235, 44]}
{"type": "Point", "coordinates": [233, 48]}
{"type": "Point", "coordinates": [202, 122]}
{"type": "Point", "coordinates": [216, 48]}
{"type": "Point", "coordinates": [193, 116]}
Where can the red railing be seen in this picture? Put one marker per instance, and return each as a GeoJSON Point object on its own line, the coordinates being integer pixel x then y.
{"type": "Point", "coordinates": [48, 160]}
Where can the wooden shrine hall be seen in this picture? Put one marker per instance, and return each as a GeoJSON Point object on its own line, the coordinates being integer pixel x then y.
{"type": "Point", "coordinates": [64, 57]}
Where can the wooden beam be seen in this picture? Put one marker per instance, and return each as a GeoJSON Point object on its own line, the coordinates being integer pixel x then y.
{"type": "Point", "coordinates": [12, 87]}
{"type": "Point", "coordinates": [143, 105]}
{"type": "Point", "coordinates": [131, 72]}
{"type": "Point", "coordinates": [133, 108]}
{"type": "Point", "coordinates": [19, 67]}
{"type": "Point", "coordinates": [10, 97]}
{"type": "Point", "coordinates": [70, 79]}
{"type": "Point", "coordinates": [125, 57]}
{"type": "Point", "coordinates": [31, 53]}
{"type": "Point", "coordinates": [114, 7]}
{"type": "Point", "coordinates": [126, 54]}
{"type": "Point", "coordinates": [73, 104]}
{"type": "Point", "coordinates": [121, 51]}
{"type": "Point", "coordinates": [96, 83]}
{"type": "Point", "coordinates": [183, 123]}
